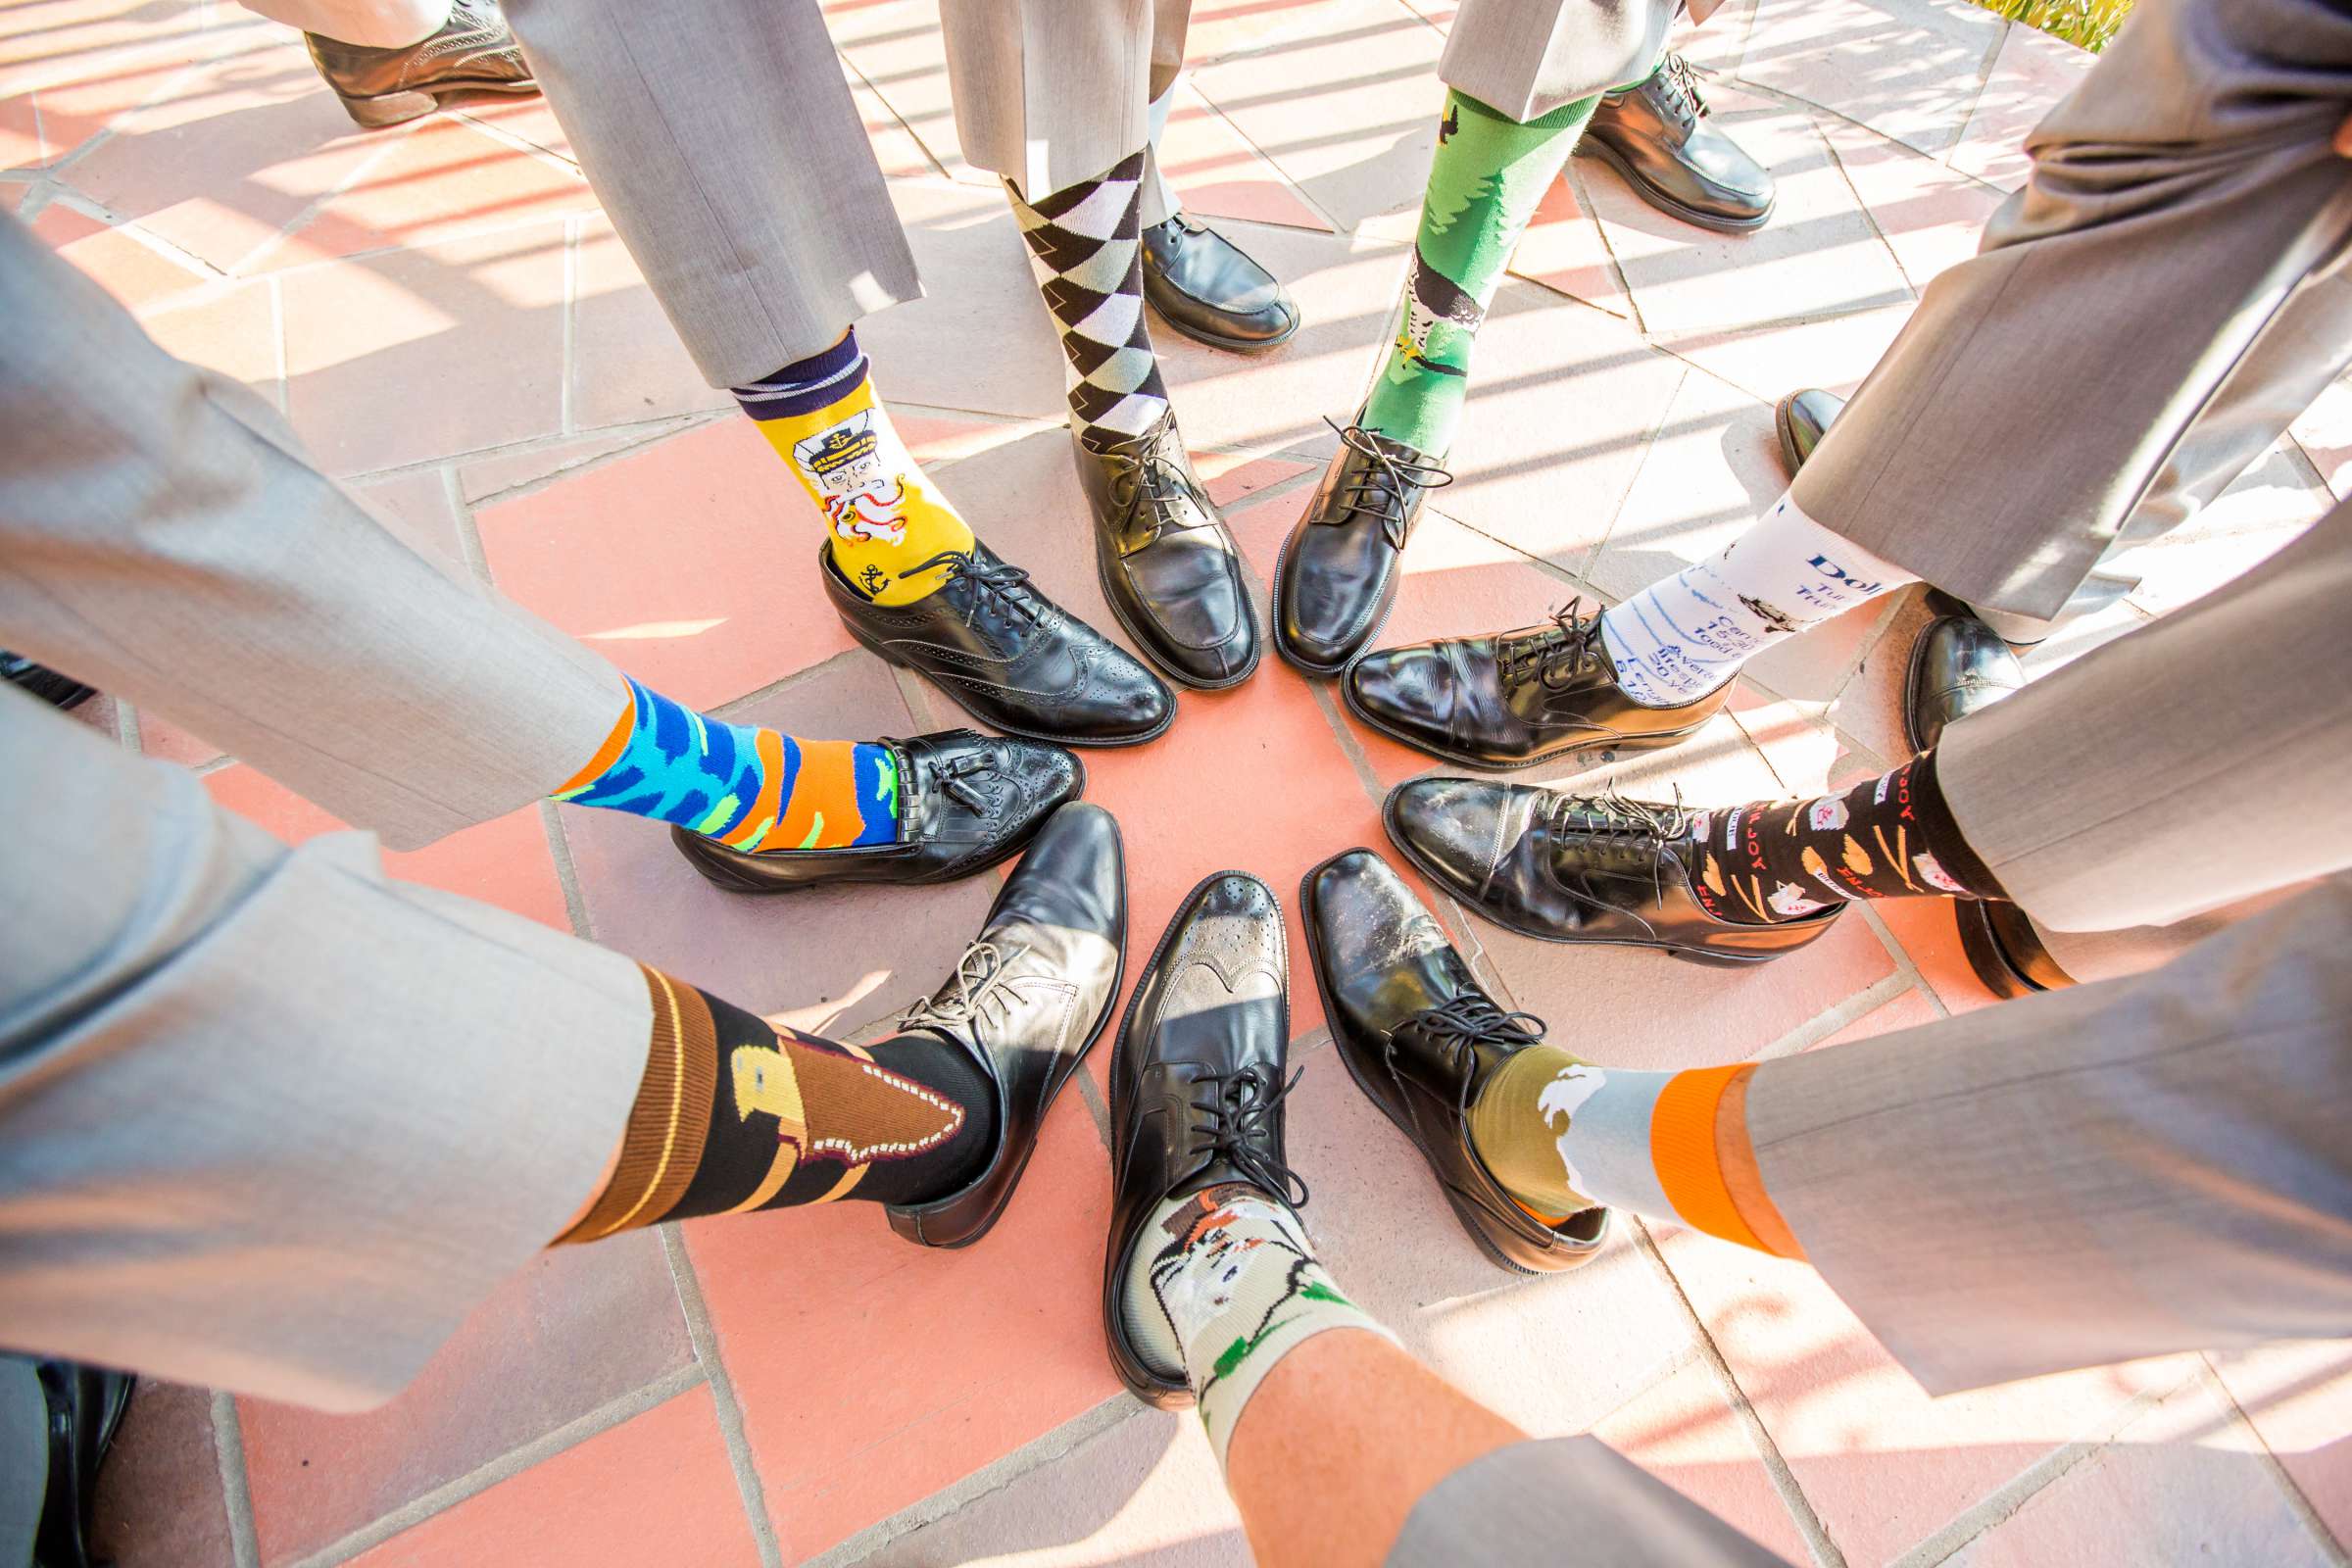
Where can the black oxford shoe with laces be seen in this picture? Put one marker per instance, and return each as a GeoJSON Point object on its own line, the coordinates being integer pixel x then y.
{"type": "Point", "coordinates": [474, 52]}
{"type": "Point", "coordinates": [966, 801]}
{"type": "Point", "coordinates": [1337, 579]}
{"type": "Point", "coordinates": [1170, 570]}
{"type": "Point", "coordinates": [1007, 655]}
{"type": "Point", "coordinates": [1516, 699]}
{"type": "Point", "coordinates": [1422, 1040]}
{"type": "Point", "coordinates": [1564, 867]}
{"type": "Point", "coordinates": [1658, 138]}
{"type": "Point", "coordinates": [1196, 1087]}
{"type": "Point", "coordinates": [1028, 999]}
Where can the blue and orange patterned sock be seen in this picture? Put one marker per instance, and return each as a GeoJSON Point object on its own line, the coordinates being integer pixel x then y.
{"type": "Point", "coordinates": [749, 787]}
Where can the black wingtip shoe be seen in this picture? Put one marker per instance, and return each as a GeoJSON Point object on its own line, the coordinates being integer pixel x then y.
{"type": "Point", "coordinates": [1206, 287]}
{"type": "Point", "coordinates": [1657, 136]}
{"type": "Point", "coordinates": [1170, 570]}
{"type": "Point", "coordinates": [1007, 655]}
{"type": "Point", "coordinates": [1801, 420]}
{"type": "Point", "coordinates": [1197, 1085]}
{"type": "Point", "coordinates": [1515, 699]}
{"type": "Point", "coordinates": [966, 801]}
{"type": "Point", "coordinates": [1563, 867]}
{"type": "Point", "coordinates": [1028, 999]}
{"type": "Point", "coordinates": [1958, 666]}
{"type": "Point", "coordinates": [474, 52]}
{"type": "Point", "coordinates": [1421, 1039]}
{"type": "Point", "coordinates": [1336, 580]}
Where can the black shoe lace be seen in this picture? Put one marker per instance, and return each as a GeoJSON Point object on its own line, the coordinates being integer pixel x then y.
{"type": "Point", "coordinates": [1655, 827]}
{"type": "Point", "coordinates": [1680, 89]}
{"type": "Point", "coordinates": [1000, 587]}
{"type": "Point", "coordinates": [1471, 1019]}
{"type": "Point", "coordinates": [1240, 1107]}
{"type": "Point", "coordinates": [1381, 488]}
{"type": "Point", "coordinates": [1550, 652]}
{"type": "Point", "coordinates": [976, 993]}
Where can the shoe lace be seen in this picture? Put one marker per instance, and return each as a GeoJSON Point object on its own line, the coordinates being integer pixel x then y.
{"type": "Point", "coordinates": [1651, 825]}
{"type": "Point", "coordinates": [1472, 1019]}
{"type": "Point", "coordinates": [1550, 652]}
{"type": "Point", "coordinates": [1381, 488]}
{"type": "Point", "coordinates": [977, 992]}
{"type": "Point", "coordinates": [1000, 587]}
{"type": "Point", "coordinates": [1680, 89]}
{"type": "Point", "coordinates": [1239, 1111]}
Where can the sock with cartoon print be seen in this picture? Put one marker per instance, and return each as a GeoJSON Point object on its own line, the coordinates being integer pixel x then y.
{"type": "Point", "coordinates": [735, 1114]}
{"type": "Point", "coordinates": [886, 523]}
{"type": "Point", "coordinates": [1485, 181]}
{"type": "Point", "coordinates": [1224, 1285]}
{"type": "Point", "coordinates": [1684, 636]}
{"type": "Point", "coordinates": [1890, 837]}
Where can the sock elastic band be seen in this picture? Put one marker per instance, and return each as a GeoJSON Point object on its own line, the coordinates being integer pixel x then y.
{"type": "Point", "coordinates": [806, 385]}
{"type": "Point", "coordinates": [1698, 1144]}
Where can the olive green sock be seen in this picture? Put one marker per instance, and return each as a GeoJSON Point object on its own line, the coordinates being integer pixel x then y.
{"type": "Point", "coordinates": [1517, 1125]}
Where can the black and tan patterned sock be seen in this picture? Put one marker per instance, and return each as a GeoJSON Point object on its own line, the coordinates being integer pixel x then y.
{"type": "Point", "coordinates": [1890, 837]}
{"type": "Point", "coordinates": [1085, 244]}
{"type": "Point", "coordinates": [735, 1114]}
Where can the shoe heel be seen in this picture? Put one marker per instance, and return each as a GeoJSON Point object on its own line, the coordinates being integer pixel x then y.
{"type": "Point", "coordinates": [389, 109]}
{"type": "Point", "coordinates": [1722, 961]}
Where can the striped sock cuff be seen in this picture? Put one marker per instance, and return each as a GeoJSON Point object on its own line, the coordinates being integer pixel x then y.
{"type": "Point", "coordinates": [806, 386]}
{"type": "Point", "coordinates": [1699, 1146]}
{"type": "Point", "coordinates": [662, 1143]}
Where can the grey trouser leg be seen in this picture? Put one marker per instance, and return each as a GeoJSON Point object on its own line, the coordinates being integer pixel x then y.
{"type": "Point", "coordinates": [371, 24]}
{"type": "Point", "coordinates": [721, 139]}
{"type": "Point", "coordinates": [2085, 1176]}
{"type": "Point", "coordinates": [1526, 58]}
{"type": "Point", "coordinates": [271, 1121]}
{"type": "Point", "coordinates": [2182, 199]}
{"type": "Point", "coordinates": [162, 536]}
{"type": "Point", "coordinates": [2187, 764]}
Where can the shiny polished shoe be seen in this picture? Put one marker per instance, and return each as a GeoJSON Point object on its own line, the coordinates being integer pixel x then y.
{"type": "Point", "coordinates": [1801, 420]}
{"type": "Point", "coordinates": [1197, 1085]}
{"type": "Point", "coordinates": [1658, 138]}
{"type": "Point", "coordinates": [1028, 999]}
{"type": "Point", "coordinates": [1170, 570]}
{"type": "Point", "coordinates": [1958, 666]}
{"type": "Point", "coordinates": [1007, 655]}
{"type": "Point", "coordinates": [1206, 287]}
{"type": "Point", "coordinates": [966, 801]}
{"type": "Point", "coordinates": [1421, 1039]}
{"type": "Point", "coordinates": [472, 52]}
{"type": "Point", "coordinates": [1516, 699]}
{"type": "Point", "coordinates": [39, 680]}
{"type": "Point", "coordinates": [1563, 867]}
{"type": "Point", "coordinates": [1336, 578]}
{"type": "Point", "coordinates": [2004, 949]}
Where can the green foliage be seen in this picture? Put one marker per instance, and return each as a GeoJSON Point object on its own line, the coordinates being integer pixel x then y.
{"type": "Point", "coordinates": [2088, 22]}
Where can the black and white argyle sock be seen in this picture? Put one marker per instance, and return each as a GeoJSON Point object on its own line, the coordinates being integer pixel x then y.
{"type": "Point", "coordinates": [1084, 241]}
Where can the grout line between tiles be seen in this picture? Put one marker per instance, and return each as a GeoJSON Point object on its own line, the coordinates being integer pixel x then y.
{"type": "Point", "coordinates": [1095, 1103]}
{"type": "Point", "coordinates": [237, 1494]}
{"type": "Point", "coordinates": [568, 875]}
{"type": "Point", "coordinates": [776, 688]}
{"type": "Point", "coordinates": [705, 1340]}
{"type": "Point", "coordinates": [1904, 966]}
{"type": "Point", "coordinates": [469, 534]}
{"type": "Point", "coordinates": [1625, 284]}
{"type": "Point", "coordinates": [2296, 1499]}
{"type": "Point", "coordinates": [1337, 229]}
{"type": "Point", "coordinates": [280, 360]}
{"type": "Point", "coordinates": [564, 418]}
{"type": "Point", "coordinates": [1862, 205]}
{"type": "Point", "coordinates": [1863, 1003]}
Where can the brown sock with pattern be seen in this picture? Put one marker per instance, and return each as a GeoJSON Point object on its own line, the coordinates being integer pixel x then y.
{"type": "Point", "coordinates": [734, 1114]}
{"type": "Point", "coordinates": [1890, 837]}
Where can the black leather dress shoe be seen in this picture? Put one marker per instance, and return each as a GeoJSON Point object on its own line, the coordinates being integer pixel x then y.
{"type": "Point", "coordinates": [58, 1420]}
{"type": "Point", "coordinates": [966, 801]}
{"type": "Point", "coordinates": [1958, 666]}
{"type": "Point", "coordinates": [1514, 700]}
{"type": "Point", "coordinates": [1169, 569]}
{"type": "Point", "coordinates": [1801, 420]}
{"type": "Point", "coordinates": [1204, 287]}
{"type": "Point", "coordinates": [2004, 949]}
{"type": "Point", "coordinates": [39, 680]}
{"type": "Point", "coordinates": [1421, 1039]}
{"type": "Point", "coordinates": [1007, 655]}
{"type": "Point", "coordinates": [1337, 579]}
{"type": "Point", "coordinates": [1657, 136]}
{"type": "Point", "coordinates": [1028, 999]}
{"type": "Point", "coordinates": [1197, 1085]}
{"type": "Point", "coordinates": [1564, 867]}
{"type": "Point", "coordinates": [474, 52]}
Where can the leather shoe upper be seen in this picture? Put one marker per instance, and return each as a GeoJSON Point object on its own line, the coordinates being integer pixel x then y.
{"type": "Point", "coordinates": [1007, 655]}
{"type": "Point", "coordinates": [1027, 999]}
{"type": "Point", "coordinates": [1565, 867]}
{"type": "Point", "coordinates": [1514, 698]}
{"type": "Point", "coordinates": [1958, 666]}
{"type": "Point", "coordinates": [1658, 136]}
{"type": "Point", "coordinates": [473, 51]}
{"type": "Point", "coordinates": [1169, 569]}
{"type": "Point", "coordinates": [1421, 1039]}
{"type": "Point", "coordinates": [965, 801]}
{"type": "Point", "coordinates": [1336, 578]}
{"type": "Point", "coordinates": [1801, 420]}
{"type": "Point", "coordinates": [1207, 289]}
{"type": "Point", "coordinates": [1196, 1084]}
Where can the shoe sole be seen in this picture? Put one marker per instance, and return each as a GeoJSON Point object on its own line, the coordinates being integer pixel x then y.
{"type": "Point", "coordinates": [999, 725]}
{"type": "Point", "coordinates": [1231, 345]}
{"type": "Point", "coordinates": [1258, 648]}
{"type": "Point", "coordinates": [1461, 1213]}
{"type": "Point", "coordinates": [1180, 1397]}
{"type": "Point", "coordinates": [1784, 428]}
{"type": "Point", "coordinates": [1919, 648]}
{"type": "Point", "coordinates": [1668, 204]}
{"type": "Point", "coordinates": [389, 109]}
{"type": "Point", "coordinates": [1588, 755]}
{"type": "Point", "coordinates": [1701, 957]}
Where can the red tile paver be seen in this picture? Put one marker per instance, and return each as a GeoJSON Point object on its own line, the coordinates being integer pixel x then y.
{"type": "Point", "coordinates": [417, 508]}
{"type": "Point", "coordinates": [79, 64]}
{"type": "Point", "coordinates": [2298, 1398]}
{"type": "Point", "coordinates": [137, 275]}
{"type": "Point", "coordinates": [1216, 174]}
{"type": "Point", "coordinates": [577, 1328]}
{"type": "Point", "coordinates": [628, 364]}
{"type": "Point", "coordinates": [160, 1502]}
{"type": "Point", "coordinates": [1684, 1433]}
{"type": "Point", "coordinates": [231, 328]}
{"type": "Point", "coordinates": [692, 564]}
{"type": "Point", "coordinates": [657, 1489]}
{"type": "Point", "coordinates": [1564, 249]}
{"type": "Point", "coordinates": [1907, 1011]}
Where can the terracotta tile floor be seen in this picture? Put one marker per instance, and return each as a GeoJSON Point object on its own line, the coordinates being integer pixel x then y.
{"type": "Point", "coordinates": [450, 320]}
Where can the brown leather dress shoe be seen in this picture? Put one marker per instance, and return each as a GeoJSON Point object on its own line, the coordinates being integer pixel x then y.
{"type": "Point", "coordinates": [474, 52]}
